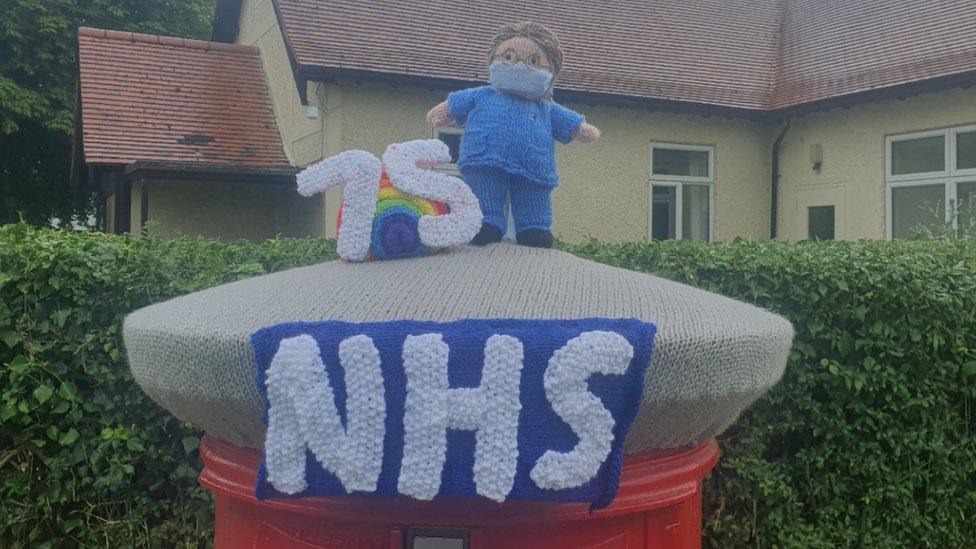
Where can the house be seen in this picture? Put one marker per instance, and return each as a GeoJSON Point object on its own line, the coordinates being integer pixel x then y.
{"type": "Point", "coordinates": [181, 133]}
{"type": "Point", "coordinates": [756, 119]}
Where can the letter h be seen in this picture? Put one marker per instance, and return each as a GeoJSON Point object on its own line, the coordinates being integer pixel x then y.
{"type": "Point", "coordinates": [492, 410]}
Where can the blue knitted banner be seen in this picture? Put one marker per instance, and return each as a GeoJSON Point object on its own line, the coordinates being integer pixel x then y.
{"type": "Point", "coordinates": [503, 409]}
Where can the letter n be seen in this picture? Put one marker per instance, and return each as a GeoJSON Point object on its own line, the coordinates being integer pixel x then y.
{"type": "Point", "coordinates": [302, 414]}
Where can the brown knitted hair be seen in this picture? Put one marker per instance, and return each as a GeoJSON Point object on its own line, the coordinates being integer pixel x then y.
{"type": "Point", "coordinates": [538, 34]}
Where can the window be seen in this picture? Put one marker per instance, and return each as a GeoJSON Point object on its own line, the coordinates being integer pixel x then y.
{"type": "Point", "coordinates": [918, 156]}
{"type": "Point", "coordinates": [966, 150]}
{"type": "Point", "coordinates": [916, 206]}
{"type": "Point", "coordinates": [966, 195]}
{"type": "Point", "coordinates": [681, 192]}
{"type": "Point", "coordinates": [680, 162]}
{"type": "Point", "coordinates": [931, 182]}
{"type": "Point", "coordinates": [820, 222]}
{"type": "Point", "coordinates": [664, 206]}
{"type": "Point", "coordinates": [452, 137]}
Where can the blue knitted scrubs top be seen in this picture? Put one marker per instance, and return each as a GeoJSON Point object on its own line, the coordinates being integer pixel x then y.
{"type": "Point", "coordinates": [515, 134]}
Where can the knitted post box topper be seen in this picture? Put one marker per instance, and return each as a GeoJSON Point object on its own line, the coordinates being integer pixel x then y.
{"type": "Point", "coordinates": [508, 146]}
{"type": "Point", "coordinates": [396, 207]}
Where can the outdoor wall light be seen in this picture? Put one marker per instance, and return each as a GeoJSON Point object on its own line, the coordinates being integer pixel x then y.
{"type": "Point", "coordinates": [312, 112]}
{"type": "Point", "coordinates": [816, 156]}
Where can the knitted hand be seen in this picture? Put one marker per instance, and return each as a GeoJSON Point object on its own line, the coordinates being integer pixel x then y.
{"type": "Point", "coordinates": [440, 115]}
{"type": "Point", "coordinates": [586, 133]}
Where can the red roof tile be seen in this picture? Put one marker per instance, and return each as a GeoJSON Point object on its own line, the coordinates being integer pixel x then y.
{"type": "Point", "coordinates": [838, 47]}
{"type": "Point", "coordinates": [152, 98]}
{"type": "Point", "coordinates": [721, 54]}
{"type": "Point", "coordinates": [748, 54]}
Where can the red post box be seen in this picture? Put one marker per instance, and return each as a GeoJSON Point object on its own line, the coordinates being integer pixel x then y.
{"type": "Point", "coordinates": [658, 506]}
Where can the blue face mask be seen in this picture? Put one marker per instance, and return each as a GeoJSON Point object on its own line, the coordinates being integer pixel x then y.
{"type": "Point", "coordinates": [520, 79]}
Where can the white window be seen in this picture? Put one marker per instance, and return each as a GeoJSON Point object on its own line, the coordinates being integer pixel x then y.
{"type": "Point", "coordinates": [931, 181]}
{"type": "Point", "coordinates": [452, 137]}
{"type": "Point", "coordinates": [681, 192]}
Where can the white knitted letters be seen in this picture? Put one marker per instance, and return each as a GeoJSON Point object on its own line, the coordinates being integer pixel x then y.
{"type": "Point", "coordinates": [303, 417]}
{"type": "Point", "coordinates": [408, 165]}
{"type": "Point", "coordinates": [565, 378]}
{"type": "Point", "coordinates": [360, 172]}
{"type": "Point", "coordinates": [431, 408]}
{"type": "Point", "coordinates": [302, 414]}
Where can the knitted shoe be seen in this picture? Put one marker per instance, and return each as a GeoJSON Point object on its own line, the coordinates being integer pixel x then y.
{"type": "Point", "coordinates": [536, 238]}
{"type": "Point", "coordinates": [488, 234]}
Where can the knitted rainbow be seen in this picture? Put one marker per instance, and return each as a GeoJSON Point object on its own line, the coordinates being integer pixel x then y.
{"type": "Point", "coordinates": [398, 206]}
{"type": "Point", "coordinates": [395, 234]}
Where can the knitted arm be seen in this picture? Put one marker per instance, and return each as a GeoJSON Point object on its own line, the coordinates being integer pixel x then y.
{"type": "Point", "coordinates": [565, 123]}
{"type": "Point", "coordinates": [462, 102]}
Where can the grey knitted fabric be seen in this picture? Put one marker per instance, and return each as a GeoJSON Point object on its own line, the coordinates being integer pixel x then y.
{"type": "Point", "coordinates": [712, 357]}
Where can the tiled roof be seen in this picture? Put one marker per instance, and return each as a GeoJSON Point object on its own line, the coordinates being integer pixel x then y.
{"type": "Point", "coordinates": [839, 47]}
{"type": "Point", "coordinates": [747, 54]}
{"type": "Point", "coordinates": [153, 98]}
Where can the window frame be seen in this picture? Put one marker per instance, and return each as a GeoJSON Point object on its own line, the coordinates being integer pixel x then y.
{"type": "Point", "coordinates": [678, 182]}
{"type": "Point", "coordinates": [710, 178]}
{"type": "Point", "coordinates": [949, 178]}
{"type": "Point", "coordinates": [449, 168]}
{"type": "Point", "coordinates": [891, 186]}
{"type": "Point", "coordinates": [833, 217]}
{"type": "Point", "coordinates": [967, 172]}
{"type": "Point", "coordinates": [969, 177]}
{"type": "Point", "coordinates": [891, 139]}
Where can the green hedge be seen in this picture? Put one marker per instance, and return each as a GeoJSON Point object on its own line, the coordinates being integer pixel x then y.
{"type": "Point", "coordinates": [87, 459]}
{"type": "Point", "coordinates": [870, 439]}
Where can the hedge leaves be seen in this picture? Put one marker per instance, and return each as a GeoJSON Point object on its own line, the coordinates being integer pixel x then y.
{"type": "Point", "coordinates": [86, 459]}
{"type": "Point", "coordinates": [869, 441]}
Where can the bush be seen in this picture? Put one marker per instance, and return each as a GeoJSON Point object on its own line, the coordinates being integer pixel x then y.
{"type": "Point", "coordinates": [86, 459]}
{"type": "Point", "coordinates": [868, 441]}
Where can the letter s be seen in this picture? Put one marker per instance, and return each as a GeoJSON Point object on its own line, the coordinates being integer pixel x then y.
{"type": "Point", "coordinates": [595, 352]}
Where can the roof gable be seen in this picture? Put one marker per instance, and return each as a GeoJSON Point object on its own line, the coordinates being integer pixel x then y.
{"type": "Point", "coordinates": [755, 55]}
{"type": "Point", "coordinates": [151, 98]}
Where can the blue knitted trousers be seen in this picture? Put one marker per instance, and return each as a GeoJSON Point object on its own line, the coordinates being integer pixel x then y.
{"type": "Point", "coordinates": [531, 202]}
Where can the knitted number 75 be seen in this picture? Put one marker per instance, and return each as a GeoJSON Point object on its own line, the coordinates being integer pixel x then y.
{"type": "Point", "coordinates": [397, 207]}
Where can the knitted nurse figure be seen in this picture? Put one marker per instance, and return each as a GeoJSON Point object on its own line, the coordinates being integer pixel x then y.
{"type": "Point", "coordinates": [508, 146]}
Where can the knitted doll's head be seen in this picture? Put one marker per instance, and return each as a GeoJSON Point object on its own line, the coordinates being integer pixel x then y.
{"type": "Point", "coordinates": [525, 59]}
